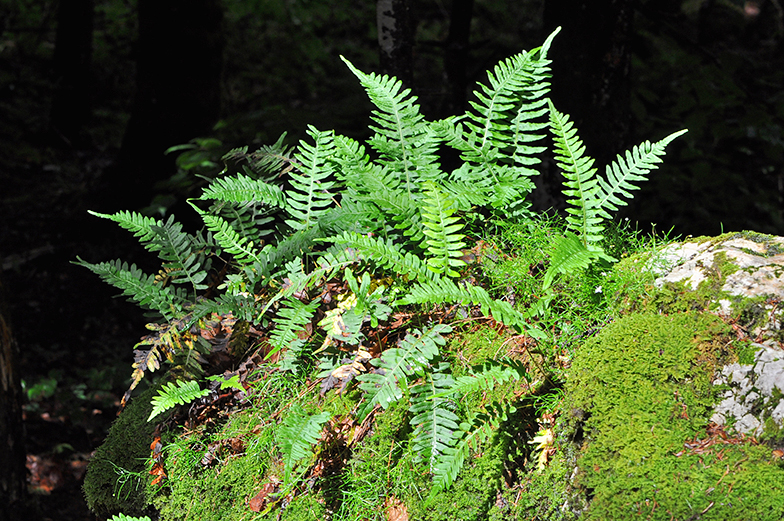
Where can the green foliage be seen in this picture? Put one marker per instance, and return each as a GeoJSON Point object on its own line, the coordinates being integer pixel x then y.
{"type": "Point", "coordinates": [297, 436]}
{"type": "Point", "coordinates": [123, 517]}
{"type": "Point", "coordinates": [592, 198]}
{"type": "Point", "coordinates": [175, 393]}
{"type": "Point", "coordinates": [331, 234]}
{"type": "Point", "coordinates": [396, 364]}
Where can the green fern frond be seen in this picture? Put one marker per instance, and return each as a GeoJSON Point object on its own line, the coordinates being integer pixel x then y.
{"type": "Point", "coordinates": [139, 225]}
{"type": "Point", "coordinates": [139, 287]}
{"type": "Point", "coordinates": [398, 363]}
{"type": "Point", "coordinates": [582, 190]}
{"type": "Point", "coordinates": [267, 161]}
{"type": "Point", "coordinates": [244, 189]}
{"type": "Point", "coordinates": [176, 393]}
{"type": "Point", "coordinates": [243, 250]}
{"type": "Point", "coordinates": [571, 254]}
{"type": "Point", "coordinates": [443, 241]}
{"type": "Point", "coordinates": [123, 517]}
{"type": "Point", "coordinates": [485, 377]}
{"type": "Point", "coordinates": [402, 136]}
{"type": "Point", "coordinates": [293, 316]}
{"type": "Point", "coordinates": [309, 196]}
{"type": "Point", "coordinates": [296, 437]}
{"type": "Point", "coordinates": [623, 172]}
{"type": "Point", "coordinates": [385, 254]}
{"type": "Point", "coordinates": [434, 422]}
{"type": "Point", "coordinates": [474, 433]}
{"type": "Point", "coordinates": [442, 290]}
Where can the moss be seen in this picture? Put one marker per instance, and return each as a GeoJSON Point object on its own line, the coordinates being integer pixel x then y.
{"type": "Point", "coordinates": [117, 476]}
{"type": "Point", "coordinates": [645, 390]}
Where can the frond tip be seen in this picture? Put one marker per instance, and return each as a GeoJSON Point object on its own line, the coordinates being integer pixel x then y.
{"type": "Point", "coordinates": [176, 393]}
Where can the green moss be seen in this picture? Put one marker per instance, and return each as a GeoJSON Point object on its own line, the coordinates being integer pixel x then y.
{"type": "Point", "coordinates": [117, 475]}
{"type": "Point", "coordinates": [645, 390]}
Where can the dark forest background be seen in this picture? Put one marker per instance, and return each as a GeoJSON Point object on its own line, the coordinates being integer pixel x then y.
{"type": "Point", "coordinates": [93, 92]}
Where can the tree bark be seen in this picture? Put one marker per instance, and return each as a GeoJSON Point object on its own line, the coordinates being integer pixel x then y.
{"type": "Point", "coordinates": [72, 59]}
{"type": "Point", "coordinates": [12, 455]}
{"type": "Point", "coordinates": [591, 70]}
{"type": "Point", "coordinates": [456, 55]}
{"type": "Point", "coordinates": [179, 61]}
{"type": "Point", "coordinates": [395, 39]}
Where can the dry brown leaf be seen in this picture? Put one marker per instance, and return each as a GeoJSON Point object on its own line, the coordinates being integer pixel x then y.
{"type": "Point", "coordinates": [396, 510]}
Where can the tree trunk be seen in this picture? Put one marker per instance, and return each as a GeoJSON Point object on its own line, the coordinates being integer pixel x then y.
{"type": "Point", "coordinates": [72, 59]}
{"type": "Point", "coordinates": [395, 39]}
{"type": "Point", "coordinates": [591, 70]}
{"type": "Point", "coordinates": [12, 455]}
{"type": "Point", "coordinates": [456, 55]}
{"type": "Point", "coordinates": [179, 63]}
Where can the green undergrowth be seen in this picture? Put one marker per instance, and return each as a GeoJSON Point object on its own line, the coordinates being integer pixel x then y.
{"type": "Point", "coordinates": [639, 391]}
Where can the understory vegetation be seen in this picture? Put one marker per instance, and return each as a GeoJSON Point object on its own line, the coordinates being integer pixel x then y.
{"type": "Point", "coordinates": [357, 333]}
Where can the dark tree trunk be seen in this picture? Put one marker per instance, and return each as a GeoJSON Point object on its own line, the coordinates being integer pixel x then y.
{"type": "Point", "coordinates": [179, 61]}
{"type": "Point", "coordinates": [12, 454]}
{"type": "Point", "coordinates": [396, 39]}
{"type": "Point", "coordinates": [72, 59]}
{"type": "Point", "coordinates": [591, 70]}
{"type": "Point", "coordinates": [456, 55]}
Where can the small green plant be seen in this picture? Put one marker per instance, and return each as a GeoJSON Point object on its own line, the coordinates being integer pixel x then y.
{"type": "Point", "coordinates": [319, 245]}
{"type": "Point", "coordinates": [175, 393]}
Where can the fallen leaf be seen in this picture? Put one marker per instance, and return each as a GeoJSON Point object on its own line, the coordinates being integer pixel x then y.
{"type": "Point", "coordinates": [258, 501]}
{"type": "Point", "coordinates": [396, 509]}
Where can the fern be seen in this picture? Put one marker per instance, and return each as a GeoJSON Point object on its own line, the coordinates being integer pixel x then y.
{"type": "Point", "coordinates": [473, 433]}
{"type": "Point", "coordinates": [297, 436]}
{"type": "Point", "coordinates": [402, 136]}
{"type": "Point", "coordinates": [486, 377]}
{"type": "Point", "coordinates": [398, 363]}
{"type": "Point", "coordinates": [242, 248]}
{"type": "Point", "coordinates": [176, 393]}
{"type": "Point", "coordinates": [443, 242]}
{"type": "Point", "coordinates": [443, 290]}
{"type": "Point", "coordinates": [434, 421]}
{"type": "Point", "coordinates": [386, 254]}
{"type": "Point", "coordinates": [310, 194]}
{"type": "Point", "coordinates": [292, 318]}
{"type": "Point", "coordinates": [123, 517]}
{"type": "Point", "coordinates": [268, 160]}
{"type": "Point", "coordinates": [139, 287]}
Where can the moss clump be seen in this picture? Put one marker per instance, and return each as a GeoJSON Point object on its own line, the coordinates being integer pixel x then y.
{"type": "Point", "coordinates": [117, 476]}
{"type": "Point", "coordinates": [644, 392]}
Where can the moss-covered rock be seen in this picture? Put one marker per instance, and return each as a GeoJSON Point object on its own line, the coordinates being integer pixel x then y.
{"type": "Point", "coordinates": [117, 475]}
{"type": "Point", "coordinates": [639, 400]}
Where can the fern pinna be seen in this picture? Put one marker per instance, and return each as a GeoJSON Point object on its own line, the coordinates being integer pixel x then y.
{"type": "Point", "coordinates": [315, 247]}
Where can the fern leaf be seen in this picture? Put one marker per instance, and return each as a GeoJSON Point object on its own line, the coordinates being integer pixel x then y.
{"type": "Point", "coordinates": [485, 377]}
{"type": "Point", "coordinates": [310, 196]}
{"type": "Point", "coordinates": [582, 190]}
{"type": "Point", "coordinates": [434, 421]}
{"type": "Point", "coordinates": [633, 168]}
{"type": "Point", "coordinates": [296, 438]}
{"type": "Point", "coordinates": [240, 247]}
{"type": "Point", "coordinates": [139, 225]}
{"type": "Point", "coordinates": [442, 290]}
{"type": "Point", "coordinates": [123, 517]}
{"type": "Point", "coordinates": [474, 433]}
{"type": "Point", "coordinates": [398, 363]}
{"type": "Point", "coordinates": [443, 242]}
{"type": "Point", "coordinates": [176, 393]}
{"type": "Point", "coordinates": [244, 189]}
{"type": "Point", "coordinates": [268, 160]}
{"type": "Point", "coordinates": [402, 136]}
{"type": "Point", "coordinates": [139, 287]}
{"type": "Point", "coordinates": [293, 316]}
{"type": "Point", "coordinates": [385, 254]}
{"type": "Point", "coordinates": [571, 254]}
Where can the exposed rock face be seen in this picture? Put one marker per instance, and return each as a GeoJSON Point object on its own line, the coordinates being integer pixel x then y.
{"type": "Point", "coordinates": [748, 266]}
